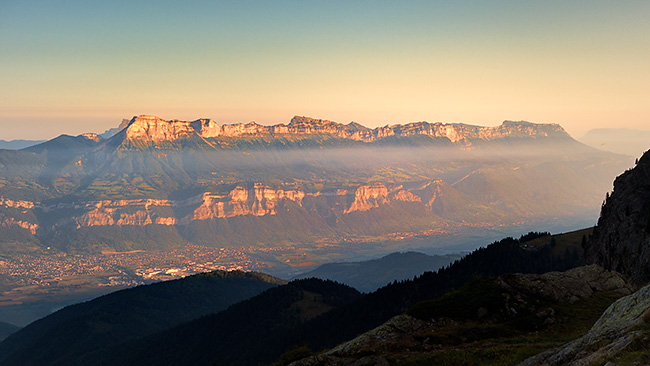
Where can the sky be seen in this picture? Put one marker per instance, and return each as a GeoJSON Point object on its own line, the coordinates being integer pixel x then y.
{"type": "Point", "coordinates": [82, 66]}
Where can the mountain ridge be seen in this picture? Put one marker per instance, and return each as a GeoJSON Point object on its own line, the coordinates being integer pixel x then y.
{"type": "Point", "coordinates": [158, 183]}
{"type": "Point", "coordinates": [153, 129]}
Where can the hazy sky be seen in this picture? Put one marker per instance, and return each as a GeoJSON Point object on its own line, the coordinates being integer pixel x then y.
{"type": "Point", "coordinates": [82, 66]}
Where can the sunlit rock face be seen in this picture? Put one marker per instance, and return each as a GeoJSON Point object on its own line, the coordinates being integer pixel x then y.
{"type": "Point", "coordinates": [369, 196]}
{"type": "Point", "coordinates": [92, 136]}
{"type": "Point", "coordinates": [124, 212]}
{"type": "Point", "coordinates": [21, 210]}
{"type": "Point", "coordinates": [255, 199]}
{"type": "Point", "coordinates": [308, 179]}
{"type": "Point", "coordinates": [9, 222]}
{"type": "Point", "coordinates": [259, 201]}
{"type": "Point", "coordinates": [21, 204]}
{"type": "Point", "coordinates": [154, 129]}
{"type": "Point", "coordinates": [206, 128]}
{"type": "Point", "coordinates": [242, 129]}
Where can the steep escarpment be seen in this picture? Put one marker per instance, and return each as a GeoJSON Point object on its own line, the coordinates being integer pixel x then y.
{"type": "Point", "coordinates": [152, 130]}
{"type": "Point", "coordinates": [258, 212]}
{"type": "Point", "coordinates": [621, 240]}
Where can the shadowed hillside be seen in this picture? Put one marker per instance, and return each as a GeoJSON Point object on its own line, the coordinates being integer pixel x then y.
{"type": "Point", "coordinates": [64, 336]}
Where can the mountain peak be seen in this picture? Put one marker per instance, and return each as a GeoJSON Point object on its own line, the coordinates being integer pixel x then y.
{"type": "Point", "coordinates": [155, 129]}
{"type": "Point", "coordinates": [92, 136]}
{"type": "Point", "coordinates": [534, 129]}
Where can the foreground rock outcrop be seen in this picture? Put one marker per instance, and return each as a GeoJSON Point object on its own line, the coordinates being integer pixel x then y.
{"type": "Point", "coordinates": [613, 332]}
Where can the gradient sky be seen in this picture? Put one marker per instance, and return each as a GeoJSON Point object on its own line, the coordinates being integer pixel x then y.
{"type": "Point", "coordinates": [82, 66]}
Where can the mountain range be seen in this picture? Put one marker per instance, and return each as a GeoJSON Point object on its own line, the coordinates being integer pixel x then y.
{"type": "Point", "coordinates": [158, 184]}
{"type": "Point", "coordinates": [18, 144]}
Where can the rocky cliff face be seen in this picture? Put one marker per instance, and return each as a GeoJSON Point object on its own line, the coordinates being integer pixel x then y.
{"type": "Point", "coordinates": [621, 240]}
{"type": "Point", "coordinates": [17, 214]}
{"type": "Point", "coordinates": [329, 213]}
{"type": "Point", "coordinates": [256, 200]}
{"type": "Point", "coordinates": [155, 130]}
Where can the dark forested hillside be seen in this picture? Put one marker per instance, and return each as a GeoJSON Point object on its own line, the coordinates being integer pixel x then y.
{"type": "Point", "coordinates": [7, 329]}
{"type": "Point", "coordinates": [253, 332]}
{"type": "Point", "coordinates": [317, 314]}
{"type": "Point", "coordinates": [65, 336]}
{"type": "Point", "coordinates": [508, 255]}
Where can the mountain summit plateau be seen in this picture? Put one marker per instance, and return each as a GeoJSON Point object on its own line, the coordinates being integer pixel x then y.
{"type": "Point", "coordinates": [159, 184]}
{"type": "Point", "coordinates": [155, 129]}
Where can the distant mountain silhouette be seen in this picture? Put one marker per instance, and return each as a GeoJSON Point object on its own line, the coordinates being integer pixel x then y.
{"type": "Point", "coordinates": [18, 144]}
{"type": "Point", "coordinates": [618, 140]}
{"type": "Point", "coordinates": [368, 276]}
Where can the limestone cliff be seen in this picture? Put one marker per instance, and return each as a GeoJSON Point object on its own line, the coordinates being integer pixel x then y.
{"type": "Point", "coordinates": [17, 214]}
{"type": "Point", "coordinates": [331, 208]}
{"type": "Point", "coordinates": [155, 130]}
{"type": "Point", "coordinates": [621, 240]}
{"type": "Point", "coordinates": [256, 199]}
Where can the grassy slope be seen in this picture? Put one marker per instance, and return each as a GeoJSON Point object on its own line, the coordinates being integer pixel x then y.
{"type": "Point", "coordinates": [506, 342]}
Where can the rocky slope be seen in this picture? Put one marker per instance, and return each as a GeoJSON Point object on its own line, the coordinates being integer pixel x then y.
{"type": "Point", "coordinates": [621, 240]}
{"type": "Point", "coordinates": [429, 327]}
{"type": "Point", "coordinates": [625, 322]}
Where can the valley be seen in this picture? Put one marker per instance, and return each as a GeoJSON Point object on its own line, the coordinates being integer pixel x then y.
{"type": "Point", "coordinates": [331, 183]}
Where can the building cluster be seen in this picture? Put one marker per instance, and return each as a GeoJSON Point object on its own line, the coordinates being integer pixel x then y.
{"type": "Point", "coordinates": [124, 269]}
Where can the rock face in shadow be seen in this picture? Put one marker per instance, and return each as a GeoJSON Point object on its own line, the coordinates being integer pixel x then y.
{"type": "Point", "coordinates": [621, 241]}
